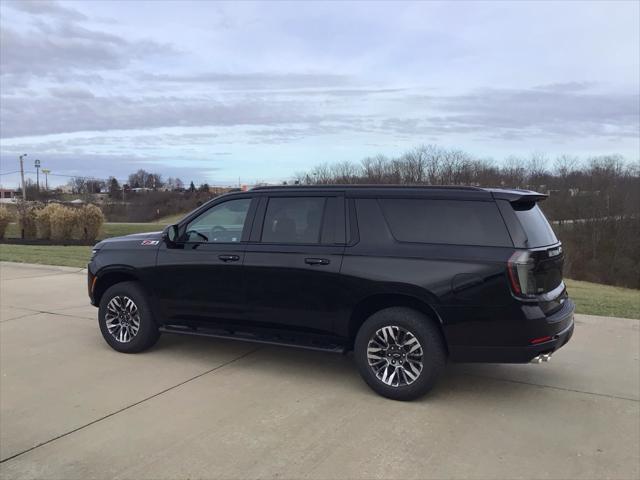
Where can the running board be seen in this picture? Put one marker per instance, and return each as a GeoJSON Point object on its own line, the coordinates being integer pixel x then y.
{"type": "Point", "coordinates": [305, 343]}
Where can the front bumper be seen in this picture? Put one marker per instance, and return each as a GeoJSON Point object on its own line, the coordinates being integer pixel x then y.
{"type": "Point", "coordinates": [558, 326]}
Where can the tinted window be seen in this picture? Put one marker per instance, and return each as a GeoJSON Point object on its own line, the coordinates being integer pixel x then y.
{"type": "Point", "coordinates": [293, 220]}
{"type": "Point", "coordinates": [446, 221]}
{"type": "Point", "coordinates": [535, 225]}
{"type": "Point", "coordinates": [220, 224]}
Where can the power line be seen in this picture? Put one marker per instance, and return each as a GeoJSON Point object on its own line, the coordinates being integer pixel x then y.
{"type": "Point", "coordinates": [59, 175]}
{"type": "Point", "coordinates": [54, 174]}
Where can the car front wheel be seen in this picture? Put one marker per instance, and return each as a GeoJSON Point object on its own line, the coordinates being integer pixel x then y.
{"type": "Point", "coordinates": [400, 353]}
{"type": "Point", "coordinates": [125, 318]}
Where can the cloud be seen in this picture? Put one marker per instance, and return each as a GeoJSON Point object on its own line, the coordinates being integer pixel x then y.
{"type": "Point", "coordinates": [253, 80]}
{"type": "Point", "coordinates": [40, 54]}
{"type": "Point", "coordinates": [46, 8]}
{"type": "Point", "coordinates": [86, 143]}
{"type": "Point", "coordinates": [59, 48]}
{"type": "Point", "coordinates": [551, 112]}
{"type": "Point", "coordinates": [565, 87]}
{"type": "Point", "coordinates": [489, 113]}
{"type": "Point", "coordinates": [71, 93]}
{"type": "Point", "coordinates": [22, 116]}
{"type": "Point", "coordinates": [568, 111]}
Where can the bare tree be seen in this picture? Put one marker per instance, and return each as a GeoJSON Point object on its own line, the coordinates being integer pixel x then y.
{"type": "Point", "coordinates": [144, 179]}
{"type": "Point", "coordinates": [373, 169]}
{"type": "Point", "coordinates": [344, 172]}
{"type": "Point", "coordinates": [513, 172]}
{"type": "Point", "coordinates": [565, 165]}
{"type": "Point", "coordinates": [536, 168]}
{"type": "Point", "coordinates": [78, 185]}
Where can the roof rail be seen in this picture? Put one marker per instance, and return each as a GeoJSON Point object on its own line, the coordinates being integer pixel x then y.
{"type": "Point", "coordinates": [364, 185]}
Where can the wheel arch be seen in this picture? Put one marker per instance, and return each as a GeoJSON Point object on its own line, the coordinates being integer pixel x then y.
{"type": "Point", "coordinates": [374, 303]}
{"type": "Point", "coordinates": [112, 277]}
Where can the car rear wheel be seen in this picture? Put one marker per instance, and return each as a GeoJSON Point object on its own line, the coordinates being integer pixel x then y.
{"type": "Point", "coordinates": [400, 353]}
{"type": "Point", "coordinates": [125, 318]}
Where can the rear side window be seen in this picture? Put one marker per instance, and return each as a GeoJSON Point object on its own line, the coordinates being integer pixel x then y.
{"type": "Point", "coordinates": [535, 225]}
{"type": "Point", "coordinates": [293, 220]}
{"type": "Point", "coordinates": [455, 222]}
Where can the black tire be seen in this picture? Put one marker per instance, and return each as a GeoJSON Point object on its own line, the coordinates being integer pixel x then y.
{"type": "Point", "coordinates": [147, 334]}
{"type": "Point", "coordinates": [431, 341]}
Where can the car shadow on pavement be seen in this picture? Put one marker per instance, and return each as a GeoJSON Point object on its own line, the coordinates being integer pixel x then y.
{"type": "Point", "coordinates": [331, 370]}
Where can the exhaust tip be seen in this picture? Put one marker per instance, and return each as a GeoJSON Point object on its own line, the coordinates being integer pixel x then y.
{"type": "Point", "coordinates": [544, 357]}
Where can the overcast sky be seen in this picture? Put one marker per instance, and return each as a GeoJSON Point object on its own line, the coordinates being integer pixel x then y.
{"type": "Point", "coordinates": [215, 91]}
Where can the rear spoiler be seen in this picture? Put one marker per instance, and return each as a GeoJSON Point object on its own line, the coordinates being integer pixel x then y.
{"type": "Point", "coordinates": [517, 196]}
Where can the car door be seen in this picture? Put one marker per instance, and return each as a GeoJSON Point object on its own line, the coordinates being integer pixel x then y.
{"type": "Point", "coordinates": [199, 278]}
{"type": "Point", "coordinates": [292, 263]}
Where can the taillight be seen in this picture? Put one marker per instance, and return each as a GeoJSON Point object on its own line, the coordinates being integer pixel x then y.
{"type": "Point", "coordinates": [520, 269]}
{"type": "Point", "coordinates": [536, 341]}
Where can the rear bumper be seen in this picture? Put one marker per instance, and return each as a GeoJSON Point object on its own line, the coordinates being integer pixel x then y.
{"type": "Point", "coordinates": [559, 327]}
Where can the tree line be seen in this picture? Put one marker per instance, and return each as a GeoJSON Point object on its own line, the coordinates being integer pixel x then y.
{"type": "Point", "coordinates": [593, 203]}
{"type": "Point", "coordinates": [140, 179]}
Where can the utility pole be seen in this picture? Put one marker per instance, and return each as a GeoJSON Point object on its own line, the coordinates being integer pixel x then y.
{"type": "Point", "coordinates": [37, 165]}
{"type": "Point", "coordinates": [24, 191]}
{"type": "Point", "coordinates": [46, 172]}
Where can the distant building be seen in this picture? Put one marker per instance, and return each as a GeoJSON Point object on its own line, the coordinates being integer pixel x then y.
{"type": "Point", "coordinates": [8, 195]}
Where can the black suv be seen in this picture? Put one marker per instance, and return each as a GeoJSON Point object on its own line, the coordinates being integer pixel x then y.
{"type": "Point", "coordinates": [405, 277]}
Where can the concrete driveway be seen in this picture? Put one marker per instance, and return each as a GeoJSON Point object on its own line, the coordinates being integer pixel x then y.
{"type": "Point", "coordinates": [70, 407]}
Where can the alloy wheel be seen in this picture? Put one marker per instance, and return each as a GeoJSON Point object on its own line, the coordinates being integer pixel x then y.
{"type": "Point", "coordinates": [122, 318]}
{"type": "Point", "coordinates": [395, 356]}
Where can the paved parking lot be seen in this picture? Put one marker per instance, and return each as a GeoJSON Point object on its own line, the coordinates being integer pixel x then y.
{"type": "Point", "coordinates": [70, 407]}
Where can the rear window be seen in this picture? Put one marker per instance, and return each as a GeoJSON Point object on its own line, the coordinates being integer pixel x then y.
{"type": "Point", "coordinates": [535, 225]}
{"type": "Point", "coordinates": [455, 222]}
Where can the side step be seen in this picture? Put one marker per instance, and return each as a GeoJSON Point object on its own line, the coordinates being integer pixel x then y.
{"type": "Point", "coordinates": [305, 342]}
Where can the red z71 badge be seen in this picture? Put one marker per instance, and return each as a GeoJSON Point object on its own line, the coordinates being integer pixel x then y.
{"type": "Point", "coordinates": [150, 242]}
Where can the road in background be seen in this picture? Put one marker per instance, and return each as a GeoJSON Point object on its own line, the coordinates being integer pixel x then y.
{"type": "Point", "coordinates": [70, 407]}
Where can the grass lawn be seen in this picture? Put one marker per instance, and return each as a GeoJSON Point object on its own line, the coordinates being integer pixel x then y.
{"type": "Point", "coordinates": [72, 256]}
{"type": "Point", "coordinates": [108, 229]}
{"type": "Point", "coordinates": [120, 229]}
{"type": "Point", "coordinates": [171, 219]}
{"type": "Point", "coordinates": [597, 299]}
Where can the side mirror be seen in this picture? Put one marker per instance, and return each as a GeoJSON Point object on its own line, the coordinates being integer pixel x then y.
{"type": "Point", "coordinates": [171, 234]}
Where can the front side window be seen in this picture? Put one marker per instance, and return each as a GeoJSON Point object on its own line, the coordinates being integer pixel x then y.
{"type": "Point", "coordinates": [220, 224]}
{"type": "Point", "coordinates": [293, 220]}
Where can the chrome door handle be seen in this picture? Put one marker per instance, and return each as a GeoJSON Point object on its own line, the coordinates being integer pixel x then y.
{"type": "Point", "coordinates": [229, 258]}
{"type": "Point", "coordinates": [317, 261]}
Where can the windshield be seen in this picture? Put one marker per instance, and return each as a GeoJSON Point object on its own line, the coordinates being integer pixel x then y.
{"type": "Point", "coordinates": [535, 225]}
